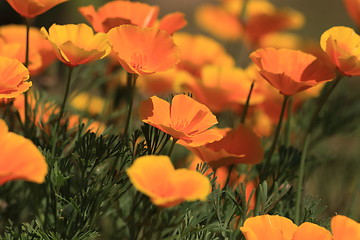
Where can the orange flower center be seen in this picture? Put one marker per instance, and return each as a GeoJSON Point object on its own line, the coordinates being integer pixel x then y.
{"type": "Point", "coordinates": [138, 60]}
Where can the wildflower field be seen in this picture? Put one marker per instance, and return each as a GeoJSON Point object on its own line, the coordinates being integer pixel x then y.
{"type": "Point", "coordinates": [120, 120]}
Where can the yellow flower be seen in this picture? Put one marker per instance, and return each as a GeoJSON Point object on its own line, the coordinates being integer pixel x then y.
{"type": "Point", "coordinates": [76, 44]}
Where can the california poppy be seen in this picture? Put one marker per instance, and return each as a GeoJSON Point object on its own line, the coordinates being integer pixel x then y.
{"type": "Point", "coordinates": [116, 13]}
{"type": "Point", "coordinates": [19, 158]}
{"type": "Point", "coordinates": [76, 44]}
{"type": "Point", "coordinates": [222, 87]}
{"type": "Point", "coordinates": [13, 78]}
{"type": "Point", "coordinates": [344, 228]}
{"type": "Point", "coordinates": [353, 8]}
{"type": "Point", "coordinates": [342, 46]}
{"type": "Point", "coordinates": [33, 8]}
{"type": "Point", "coordinates": [273, 227]}
{"type": "Point", "coordinates": [290, 71]}
{"type": "Point", "coordinates": [41, 53]}
{"type": "Point", "coordinates": [143, 50]}
{"type": "Point", "coordinates": [197, 51]}
{"type": "Point", "coordinates": [156, 177]}
{"type": "Point", "coordinates": [239, 145]}
{"type": "Point", "coordinates": [184, 119]}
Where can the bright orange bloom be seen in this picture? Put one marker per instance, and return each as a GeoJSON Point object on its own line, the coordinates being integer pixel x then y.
{"type": "Point", "coordinates": [143, 50]}
{"type": "Point", "coordinates": [13, 78]}
{"type": "Point", "coordinates": [291, 71]}
{"type": "Point", "coordinates": [240, 145]}
{"type": "Point", "coordinates": [344, 228]}
{"type": "Point", "coordinates": [156, 177]}
{"type": "Point", "coordinates": [197, 51]}
{"type": "Point", "coordinates": [353, 8]}
{"type": "Point", "coordinates": [76, 44]}
{"type": "Point", "coordinates": [342, 46]}
{"type": "Point", "coordinates": [33, 8]}
{"type": "Point", "coordinates": [19, 158]}
{"type": "Point", "coordinates": [41, 53]}
{"type": "Point", "coordinates": [273, 227]}
{"type": "Point", "coordinates": [116, 13]}
{"type": "Point", "coordinates": [184, 119]}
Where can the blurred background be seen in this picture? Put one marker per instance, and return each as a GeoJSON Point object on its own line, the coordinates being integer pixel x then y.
{"type": "Point", "coordinates": [335, 178]}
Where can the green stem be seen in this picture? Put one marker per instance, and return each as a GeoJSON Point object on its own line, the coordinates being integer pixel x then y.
{"type": "Point", "coordinates": [26, 103]}
{"type": "Point", "coordinates": [246, 107]}
{"type": "Point", "coordinates": [288, 122]}
{"type": "Point", "coordinates": [65, 95]}
{"type": "Point", "coordinates": [312, 124]}
{"type": "Point", "coordinates": [229, 175]}
{"type": "Point", "coordinates": [131, 86]}
{"type": "Point", "coordinates": [301, 179]}
{"type": "Point", "coordinates": [277, 130]}
{"type": "Point", "coordinates": [172, 147]}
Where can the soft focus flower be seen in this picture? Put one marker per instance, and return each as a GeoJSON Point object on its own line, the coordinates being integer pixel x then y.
{"type": "Point", "coordinates": [281, 40]}
{"type": "Point", "coordinates": [41, 53]}
{"type": "Point", "coordinates": [240, 145]}
{"type": "Point", "coordinates": [344, 228]}
{"type": "Point", "coordinates": [143, 50]}
{"type": "Point", "coordinates": [353, 8]}
{"type": "Point", "coordinates": [116, 13]}
{"type": "Point", "coordinates": [222, 87]}
{"type": "Point", "coordinates": [13, 78]}
{"type": "Point", "coordinates": [76, 44]}
{"type": "Point", "coordinates": [33, 8]}
{"type": "Point", "coordinates": [273, 227]}
{"type": "Point", "coordinates": [19, 158]}
{"type": "Point", "coordinates": [197, 51]}
{"type": "Point", "coordinates": [259, 18]}
{"type": "Point", "coordinates": [90, 103]}
{"type": "Point", "coordinates": [156, 177]}
{"type": "Point", "coordinates": [184, 119]}
{"type": "Point", "coordinates": [290, 71]}
{"type": "Point", "coordinates": [164, 83]}
{"type": "Point", "coordinates": [342, 46]}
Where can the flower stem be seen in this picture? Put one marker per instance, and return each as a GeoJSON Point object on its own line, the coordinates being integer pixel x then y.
{"type": "Point", "coordinates": [66, 94]}
{"type": "Point", "coordinates": [26, 103]}
{"type": "Point", "coordinates": [131, 86]}
{"type": "Point", "coordinates": [246, 107]}
{"type": "Point", "coordinates": [231, 167]}
{"type": "Point", "coordinates": [277, 130]}
{"type": "Point", "coordinates": [288, 122]}
{"type": "Point", "coordinates": [312, 124]}
{"type": "Point", "coordinates": [172, 146]}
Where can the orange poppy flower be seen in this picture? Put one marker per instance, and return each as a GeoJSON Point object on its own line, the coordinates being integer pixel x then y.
{"type": "Point", "coordinates": [116, 13]}
{"type": "Point", "coordinates": [344, 228]}
{"type": "Point", "coordinates": [41, 53]}
{"type": "Point", "coordinates": [76, 44]}
{"type": "Point", "coordinates": [13, 78]}
{"type": "Point", "coordinates": [19, 158]}
{"type": "Point", "coordinates": [143, 50]}
{"type": "Point", "coordinates": [33, 8]}
{"type": "Point", "coordinates": [172, 22]}
{"type": "Point", "coordinates": [342, 46]}
{"type": "Point", "coordinates": [184, 119]}
{"type": "Point", "coordinates": [156, 177]}
{"type": "Point", "coordinates": [353, 8]}
{"type": "Point", "coordinates": [222, 88]}
{"type": "Point", "coordinates": [291, 71]}
{"type": "Point", "coordinates": [239, 145]}
{"type": "Point", "coordinates": [197, 51]}
{"type": "Point", "coordinates": [273, 227]}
